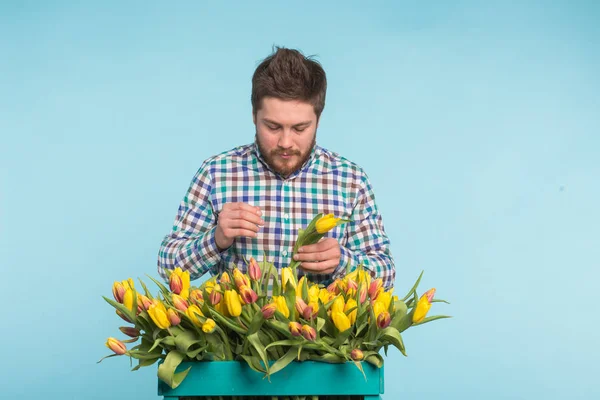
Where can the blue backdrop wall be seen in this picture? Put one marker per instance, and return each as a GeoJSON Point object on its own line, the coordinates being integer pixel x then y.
{"type": "Point", "coordinates": [477, 122]}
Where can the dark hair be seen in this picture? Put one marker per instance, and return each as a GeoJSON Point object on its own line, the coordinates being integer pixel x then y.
{"type": "Point", "coordinates": [288, 75]}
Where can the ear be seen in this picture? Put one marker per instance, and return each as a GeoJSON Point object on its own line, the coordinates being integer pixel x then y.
{"type": "Point", "coordinates": [254, 117]}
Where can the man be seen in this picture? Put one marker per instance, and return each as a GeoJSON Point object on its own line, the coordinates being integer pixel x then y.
{"type": "Point", "coordinates": [251, 201]}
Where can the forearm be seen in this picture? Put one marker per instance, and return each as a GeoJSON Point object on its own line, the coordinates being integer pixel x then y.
{"type": "Point", "coordinates": [196, 253]}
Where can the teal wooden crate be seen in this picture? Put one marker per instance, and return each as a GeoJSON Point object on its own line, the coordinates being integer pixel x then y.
{"type": "Point", "coordinates": [232, 378]}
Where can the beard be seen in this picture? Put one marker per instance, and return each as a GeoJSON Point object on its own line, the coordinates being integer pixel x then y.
{"type": "Point", "coordinates": [281, 166]}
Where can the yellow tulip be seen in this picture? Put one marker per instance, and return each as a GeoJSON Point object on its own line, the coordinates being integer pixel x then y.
{"type": "Point", "coordinates": [240, 278]}
{"type": "Point", "coordinates": [184, 276]}
{"type": "Point", "coordinates": [301, 283]}
{"type": "Point", "coordinates": [196, 296]}
{"type": "Point", "coordinates": [340, 320]}
{"type": "Point", "coordinates": [158, 313]}
{"type": "Point", "coordinates": [286, 276]}
{"type": "Point", "coordinates": [225, 278]}
{"type": "Point", "coordinates": [326, 223]}
{"type": "Point", "coordinates": [378, 308]}
{"type": "Point", "coordinates": [128, 299]}
{"type": "Point", "coordinates": [209, 326]}
{"type": "Point", "coordinates": [193, 312]}
{"type": "Point", "coordinates": [281, 305]}
{"type": "Point", "coordinates": [338, 305]}
{"type": "Point", "coordinates": [116, 345]}
{"type": "Point", "coordinates": [385, 298]}
{"type": "Point", "coordinates": [351, 303]}
{"type": "Point", "coordinates": [423, 306]}
{"type": "Point", "coordinates": [325, 296]}
{"type": "Point", "coordinates": [232, 302]}
{"type": "Point", "coordinates": [313, 293]}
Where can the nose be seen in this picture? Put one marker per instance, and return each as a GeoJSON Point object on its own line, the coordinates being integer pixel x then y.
{"type": "Point", "coordinates": [285, 140]}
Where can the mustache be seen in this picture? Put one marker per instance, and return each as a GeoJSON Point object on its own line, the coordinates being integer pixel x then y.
{"type": "Point", "coordinates": [277, 152]}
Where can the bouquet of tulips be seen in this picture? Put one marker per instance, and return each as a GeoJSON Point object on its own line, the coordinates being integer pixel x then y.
{"type": "Point", "coordinates": [265, 317]}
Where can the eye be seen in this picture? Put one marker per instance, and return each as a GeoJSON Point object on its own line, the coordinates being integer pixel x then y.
{"type": "Point", "coordinates": [272, 127]}
{"type": "Point", "coordinates": [300, 129]}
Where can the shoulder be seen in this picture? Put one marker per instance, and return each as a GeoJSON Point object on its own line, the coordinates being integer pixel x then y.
{"type": "Point", "coordinates": [239, 154]}
{"type": "Point", "coordinates": [330, 162]}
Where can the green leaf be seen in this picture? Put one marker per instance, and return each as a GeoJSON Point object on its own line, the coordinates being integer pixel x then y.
{"type": "Point", "coordinates": [253, 363]}
{"type": "Point", "coordinates": [320, 323]}
{"type": "Point", "coordinates": [256, 323]}
{"type": "Point", "coordinates": [439, 301]}
{"type": "Point", "coordinates": [259, 347]}
{"type": "Point", "coordinates": [185, 340]}
{"type": "Point", "coordinates": [283, 361]}
{"type": "Point", "coordinates": [216, 315]}
{"type": "Point", "coordinates": [145, 363]}
{"type": "Point", "coordinates": [432, 318]}
{"type": "Point", "coordinates": [393, 336]}
{"type": "Point", "coordinates": [112, 355]}
{"type": "Point", "coordinates": [414, 288]}
{"type": "Point", "coordinates": [166, 292]}
{"type": "Point", "coordinates": [328, 358]}
{"type": "Point", "coordinates": [375, 359]}
{"type": "Point", "coordinates": [128, 313]}
{"type": "Point", "coordinates": [166, 370]}
{"type": "Point", "coordinates": [287, 342]}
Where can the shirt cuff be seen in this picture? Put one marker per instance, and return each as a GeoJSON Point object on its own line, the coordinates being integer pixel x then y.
{"type": "Point", "coordinates": [345, 259]}
{"type": "Point", "coordinates": [207, 247]}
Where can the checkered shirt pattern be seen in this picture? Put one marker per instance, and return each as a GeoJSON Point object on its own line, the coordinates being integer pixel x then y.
{"type": "Point", "coordinates": [326, 183]}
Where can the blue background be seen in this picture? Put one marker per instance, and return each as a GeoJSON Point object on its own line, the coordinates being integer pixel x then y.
{"type": "Point", "coordinates": [477, 122]}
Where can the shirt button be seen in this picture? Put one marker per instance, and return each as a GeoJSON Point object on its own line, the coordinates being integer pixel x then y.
{"type": "Point", "coordinates": [285, 216]}
{"type": "Point", "coordinates": [284, 253]}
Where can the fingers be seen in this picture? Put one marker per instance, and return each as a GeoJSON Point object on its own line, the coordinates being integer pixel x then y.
{"type": "Point", "coordinates": [323, 267]}
{"type": "Point", "coordinates": [237, 220]}
{"type": "Point", "coordinates": [320, 258]}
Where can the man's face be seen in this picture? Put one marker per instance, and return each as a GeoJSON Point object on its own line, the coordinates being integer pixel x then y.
{"type": "Point", "coordinates": [286, 133]}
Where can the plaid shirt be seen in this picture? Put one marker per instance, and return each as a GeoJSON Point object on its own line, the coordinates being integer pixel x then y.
{"type": "Point", "coordinates": [326, 183]}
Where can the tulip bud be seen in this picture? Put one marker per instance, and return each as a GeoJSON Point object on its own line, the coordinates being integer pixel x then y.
{"type": "Point", "coordinates": [215, 295]}
{"type": "Point", "coordinates": [357, 354]}
{"type": "Point", "coordinates": [300, 305]}
{"type": "Point", "coordinates": [116, 345]}
{"type": "Point", "coordinates": [309, 333]}
{"type": "Point", "coordinates": [383, 320]}
{"type": "Point", "coordinates": [130, 331]}
{"type": "Point", "coordinates": [351, 303]}
{"type": "Point", "coordinates": [158, 314]}
{"type": "Point", "coordinates": [313, 293]}
{"type": "Point", "coordinates": [325, 296]}
{"type": "Point", "coordinates": [254, 270]}
{"type": "Point", "coordinates": [362, 293]}
{"type": "Point", "coordinates": [175, 283]}
{"type": "Point", "coordinates": [144, 302]}
{"type": "Point", "coordinates": [128, 299]}
{"type": "Point", "coordinates": [286, 276]}
{"type": "Point", "coordinates": [374, 288]}
{"type": "Point", "coordinates": [268, 310]}
{"type": "Point", "coordinates": [326, 223]}
{"type": "Point", "coordinates": [351, 287]}
{"type": "Point", "coordinates": [196, 296]}
{"type": "Point", "coordinates": [338, 304]}
{"type": "Point", "coordinates": [193, 312]}
{"type": "Point", "coordinates": [334, 287]}
{"type": "Point", "coordinates": [179, 302]}
{"type": "Point", "coordinates": [209, 326]}
{"type": "Point", "coordinates": [233, 304]}
{"type": "Point", "coordinates": [301, 284]}
{"type": "Point", "coordinates": [378, 308]}
{"type": "Point", "coordinates": [311, 310]}
{"type": "Point", "coordinates": [240, 279]}
{"type": "Point", "coordinates": [423, 306]}
{"type": "Point", "coordinates": [307, 313]}
{"type": "Point", "coordinates": [123, 316]}
{"type": "Point", "coordinates": [225, 278]}
{"type": "Point", "coordinates": [281, 305]}
{"type": "Point", "coordinates": [295, 328]}
{"type": "Point", "coordinates": [118, 291]}
{"type": "Point", "coordinates": [249, 296]}
{"type": "Point", "coordinates": [340, 320]}
{"type": "Point", "coordinates": [174, 318]}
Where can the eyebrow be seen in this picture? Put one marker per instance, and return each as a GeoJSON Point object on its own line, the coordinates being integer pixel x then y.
{"type": "Point", "coordinates": [303, 123]}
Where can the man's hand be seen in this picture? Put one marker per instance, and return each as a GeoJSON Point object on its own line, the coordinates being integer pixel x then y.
{"type": "Point", "coordinates": [320, 258]}
{"type": "Point", "coordinates": [237, 220]}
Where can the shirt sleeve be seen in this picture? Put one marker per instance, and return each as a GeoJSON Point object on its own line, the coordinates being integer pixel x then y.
{"type": "Point", "coordinates": [367, 243]}
{"type": "Point", "coordinates": [191, 244]}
